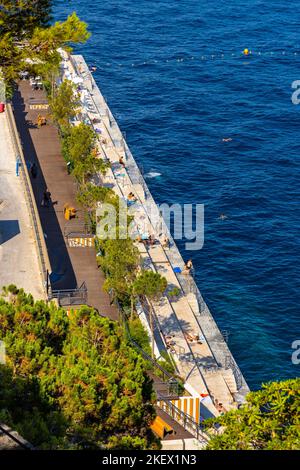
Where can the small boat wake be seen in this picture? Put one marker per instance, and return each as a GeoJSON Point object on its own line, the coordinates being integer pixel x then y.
{"type": "Point", "coordinates": [223, 217]}
{"type": "Point", "coordinates": [152, 174]}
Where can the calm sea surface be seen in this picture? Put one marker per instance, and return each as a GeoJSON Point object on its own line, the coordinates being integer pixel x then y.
{"type": "Point", "coordinates": [176, 107]}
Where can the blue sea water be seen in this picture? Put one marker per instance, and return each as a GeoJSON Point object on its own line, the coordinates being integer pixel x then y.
{"type": "Point", "coordinates": [176, 103]}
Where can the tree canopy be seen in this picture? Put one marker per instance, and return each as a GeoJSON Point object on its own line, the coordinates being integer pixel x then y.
{"type": "Point", "coordinates": [65, 104]}
{"type": "Point", "coordinates": [89, 196]}
{"type": "Point", "coordinates": [27, 41]}
{"type": "Point", "coordinates": [119, 263]}
{"type": "Point", "coordinates": [150, 284]}
{"type": "Point", "coordinates": [43, 44]}
{"type": "Point", "coordinates": [79, 144]}
{"type": "Point", "coordinates": [71, 381]}
{"type": "Point", "coordinates": [20, 17]}
{"type": "Point", "coordinates": [269, 420]}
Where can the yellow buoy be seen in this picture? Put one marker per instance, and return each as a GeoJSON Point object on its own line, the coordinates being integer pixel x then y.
{"type": "Point", "coordinates": [246, 51]}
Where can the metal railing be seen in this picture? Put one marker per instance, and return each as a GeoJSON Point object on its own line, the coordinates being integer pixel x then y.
{"type": "Point", "coordinates": [210, 330]}
{"type": "Point", "coordinates": [230, 364]}
{"type": "Point", "coordinates": [43, 258]}
{"type": "Point", "coordinates": [76, 228]}
{"type": "Point", "coordinates": [69, 297]}
{"type": "Point", "coordinates": [185, 420]}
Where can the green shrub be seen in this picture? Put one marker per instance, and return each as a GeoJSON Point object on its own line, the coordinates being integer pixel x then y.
{"type": "Point", "coordinates": [71, 381]}
{"type": "Point", "coordinates": [139, 334]}
{"type": "Point", "coordinates": [175, 292]}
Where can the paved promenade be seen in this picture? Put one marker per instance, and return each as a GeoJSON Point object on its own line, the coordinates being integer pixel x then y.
{"type": "Point", "coordinates": [18, 255]}
{"type": "Point", "coordinates": [70, 266]}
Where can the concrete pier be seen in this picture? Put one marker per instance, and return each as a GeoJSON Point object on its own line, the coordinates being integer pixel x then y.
{"type": "Point", "coordinates": [206, 366]}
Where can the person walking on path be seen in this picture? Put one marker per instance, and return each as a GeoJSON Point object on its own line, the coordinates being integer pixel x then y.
{"type": "Point", "coordinates": [33, 170]}
{"type": "Point", "coordinates": [46, 198]}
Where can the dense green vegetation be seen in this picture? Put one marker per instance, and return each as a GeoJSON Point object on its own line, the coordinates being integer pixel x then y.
{"type": "Point", "coordinates": [28, 42]}
{"type": "Point", "coordinates": [71, 381]}
{"type": "Point", "coordinates": [80, 150]}
{"type": "Point", "coordinates": [75, 382]}
{"type": "Point", "coordinates": [64, 103]}
{"type": "Point", "coordinates": [20, 17]}
{"type": "Point", "coordinates": [269, 420]}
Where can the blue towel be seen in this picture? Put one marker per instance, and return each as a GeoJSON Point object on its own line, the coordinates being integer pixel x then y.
{"type": "Point", "coordinates": [130, 203]}
{"type": "Point", "coordinates": [177, 269]}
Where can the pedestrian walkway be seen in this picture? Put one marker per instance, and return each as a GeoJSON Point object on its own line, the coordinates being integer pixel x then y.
{"type": "Point", "coordinates": [71, 266]}
{"type": "Point", "coordinates": [18, 254]}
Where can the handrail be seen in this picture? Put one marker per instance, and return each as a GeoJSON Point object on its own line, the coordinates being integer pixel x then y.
{"type": "Point", "coordinates": [189, 347]}
{"type": "Point", "coordinates": [43, 258]}
{"type": "Point", "coordinates": [230, 364]}
{"type": "Point", "coordinates": [67, 291]}
{"type": "Point", "coordinates": [80, 293]}
{"type": "Point", "coordinates": [82, 228]}
{"type": "Point", "coordinates": [185, 420]}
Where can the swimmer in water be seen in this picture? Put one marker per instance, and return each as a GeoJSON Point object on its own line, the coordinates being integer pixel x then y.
{"type": "Point", "coordinates": [227, 139]}
{"type": "Point", "coordinates": [223, 217]}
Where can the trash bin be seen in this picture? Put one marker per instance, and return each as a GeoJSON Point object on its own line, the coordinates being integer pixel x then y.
{"type": "Point", "coordinates": [2, 107]}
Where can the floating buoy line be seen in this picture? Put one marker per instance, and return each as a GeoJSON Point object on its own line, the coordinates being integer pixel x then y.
{"type": "Point", "coordinates": [245, 55]}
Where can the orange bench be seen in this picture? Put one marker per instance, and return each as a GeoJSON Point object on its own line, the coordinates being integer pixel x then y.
{"type": "Point", "coordinates": [161, 428]}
